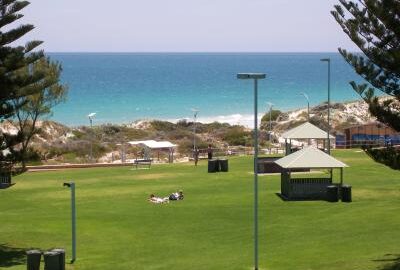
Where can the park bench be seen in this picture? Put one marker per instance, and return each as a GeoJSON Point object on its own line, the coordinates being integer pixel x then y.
{"type": "Point", "coordinates": [142, 162]}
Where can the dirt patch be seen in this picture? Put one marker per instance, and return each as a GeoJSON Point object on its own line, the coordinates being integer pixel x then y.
{"type": "Point", "coordinates": [152, 176]}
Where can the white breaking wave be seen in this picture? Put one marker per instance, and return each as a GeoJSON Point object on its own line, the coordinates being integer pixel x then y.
{"type": "Point", "coordinates": [246, 120]}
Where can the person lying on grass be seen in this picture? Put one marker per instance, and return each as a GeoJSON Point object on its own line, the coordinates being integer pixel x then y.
{"type": "Point", "coordinates": [154, 199]}
{"type": "Point", "coordinates": [176, 196]}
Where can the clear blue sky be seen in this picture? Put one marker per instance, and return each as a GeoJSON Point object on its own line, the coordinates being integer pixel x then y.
{"type": "Point", "coordinates": [185, 26]}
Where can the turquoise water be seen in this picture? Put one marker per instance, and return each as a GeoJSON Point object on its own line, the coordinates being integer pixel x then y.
{"type": "Point", "coordinates": [123, 87]}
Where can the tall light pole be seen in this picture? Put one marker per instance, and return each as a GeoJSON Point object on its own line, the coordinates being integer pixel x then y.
{"type": "Point", "coordinates": [91, 117]}
{"type": "Point", "coordinates": [195, 112]}
{"type": "Point", "coordinates": [71, 185]}
{"type": "Point", "coordinates": [328, 60]}
{"type": "Point", "coordinates": [270, 119]}
{"type": "Point", "coordinates": [308, 104]}
{"type": "Point", "coordinates": [255, 77]}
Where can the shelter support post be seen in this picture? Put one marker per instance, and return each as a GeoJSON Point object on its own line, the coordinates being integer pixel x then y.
{"type": "Point", "coordinates": [341, 182]}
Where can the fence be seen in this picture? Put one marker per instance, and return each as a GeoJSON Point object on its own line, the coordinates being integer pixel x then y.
{"type": "Point", "coordinates": [304, 188]}
{"type": "Point", "coordinates": [341, 144]}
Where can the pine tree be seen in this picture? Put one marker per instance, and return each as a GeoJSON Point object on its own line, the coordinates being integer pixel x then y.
{"type": "Point", "coordinates": [374, 26]}
{"type": "Point", "coordinates": [13, 83]}
{"type": "Point", "coordinates": [38, 105]}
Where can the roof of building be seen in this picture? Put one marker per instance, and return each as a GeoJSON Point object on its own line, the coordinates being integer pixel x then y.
{"type": "Point", "coordinates": [309, 157]}
{"type": "Point", "coordinates": [306, 131]}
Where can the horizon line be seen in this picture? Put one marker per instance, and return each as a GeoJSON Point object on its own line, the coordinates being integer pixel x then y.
{"type": "Point", "coordinates": [200, 52]}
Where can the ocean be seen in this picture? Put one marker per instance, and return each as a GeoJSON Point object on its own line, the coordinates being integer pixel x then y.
{"type": "Point", "coordinates": [124, 87]}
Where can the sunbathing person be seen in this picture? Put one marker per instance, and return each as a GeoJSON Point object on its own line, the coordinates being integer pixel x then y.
{"type": "Point", "coordinates": [154, 199]}
{"type": "Point", "coordinates": [176, 196]}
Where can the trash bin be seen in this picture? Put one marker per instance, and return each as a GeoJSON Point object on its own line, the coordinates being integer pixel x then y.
{"type": "Point", "coordinates": [33, 259]}
{"type": "Point", "coordinates": [213, 165]}
{"type": "Point", "coordinates": [61, 257]}
{"type": "Point", "coordinates": [332, 193]}
{"type": "Point", "coordinates": [223, 165]}
{"type": "Point", "coordinates": [51, 260]}
{"type": "Point", "coordinates": [346, 193]}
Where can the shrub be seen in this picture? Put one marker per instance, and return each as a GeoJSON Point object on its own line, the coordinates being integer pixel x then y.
{"type": "Point", "coordinates": [389, 156]}
{"type": "Point", "coordinates": [274, 115]}
{"type": "Point", "coordinates": [162, 125]}
{"type": "Point", "coordinates": [235, 136]}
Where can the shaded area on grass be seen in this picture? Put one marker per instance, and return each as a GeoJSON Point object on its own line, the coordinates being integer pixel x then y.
{"type": "Point", "coordinates": [390, 262]}
{"type": "Point", "coordinates": [10, 256]}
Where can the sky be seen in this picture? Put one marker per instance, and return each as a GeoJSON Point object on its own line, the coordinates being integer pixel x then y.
{"type": "Point", "coordinates": [185, 26]}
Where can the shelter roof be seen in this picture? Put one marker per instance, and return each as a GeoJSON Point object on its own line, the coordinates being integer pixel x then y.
{"type": "Point", "coordinates": [309, 157]}
{"type": "Point", "coordinates": [306, 131]}
{"type": "Point", "coordinates": [154, 144]}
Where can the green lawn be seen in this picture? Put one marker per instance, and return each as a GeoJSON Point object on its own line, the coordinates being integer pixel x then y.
{"type": "Point", "coordinates": [212, 228]}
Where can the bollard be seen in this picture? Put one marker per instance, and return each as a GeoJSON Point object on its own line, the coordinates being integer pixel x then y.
{"type": "Point", "coordinates": [332, 193]}
{"type": "Point", "coordinates": [223, 164]}
{"type": "Point", "coordinates": [51, 260]}
{"type": "Point", "coordinates": [346, 193]}
{"type": "Point", "coordinates": [61, 257]}
{"type": "Point", "coordinates": [213, 166]}
{"type": "Point", "coordinates": [33, 259]}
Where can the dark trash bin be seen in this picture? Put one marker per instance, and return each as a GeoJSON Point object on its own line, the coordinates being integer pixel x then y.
{"type": "Point", "coordinates": [223, 165]}
{"type": "Point", "coordinates": [332, 193]}
{"type": "Point", "coordinates": [213, 165]}
{"type": "Point", "coordinates": [33, 259]}
{"type": "Point", "coordinates": [346, 193]}
{"type": "Point", "coordinates": [51, 260]}
{"type": "Point", "coordinates": [61, 257]}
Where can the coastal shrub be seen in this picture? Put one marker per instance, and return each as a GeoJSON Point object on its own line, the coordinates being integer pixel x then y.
{"type": "Point", "coordinates": [210, 127]}
{"type": "Point", "coordinates": [135, 134]}
{"type": "Point", "coordinates": [111, 130]}
{"type": "Point", "coordinates": [162, 125]}
{"type": "Point", "coordinates": [236, 136]}
{"type": "Point", "coordinates": [185, 147]}
{"type": "Point", "coordinates": [389, 156]}
{"type": "Point", "coordinates": [178, 134]}
{"type": "Point", "coordinates": [184, 123]}
{"type": "Point", "coordinates": [78, 134]}
{"type": "Point", "coordinates": [274, 115]}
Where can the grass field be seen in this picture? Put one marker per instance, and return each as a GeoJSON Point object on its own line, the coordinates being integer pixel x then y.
{"type": "Point", "coordinates": [212, 228]}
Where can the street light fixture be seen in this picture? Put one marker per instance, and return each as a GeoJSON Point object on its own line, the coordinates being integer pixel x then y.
{"type": "Point", "coordinates": [91, 117]}
{"type": "Point", "coordinates": [195, 112]}
{"type": "Point", "coordinates": [255, 77]}
{"type": "Point", "coordinates": [328, 60]}
{"type": "Point", "coordinates": [308, 104]}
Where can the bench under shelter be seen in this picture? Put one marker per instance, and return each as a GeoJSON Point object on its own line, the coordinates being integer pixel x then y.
{"type": "Point", "coordinates": [308, 188]}
{"type": "Point", "coordinates": [151, 146]}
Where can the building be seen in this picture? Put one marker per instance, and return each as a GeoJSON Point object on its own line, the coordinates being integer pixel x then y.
{"type": "Point", "coordinates": [374, 134]}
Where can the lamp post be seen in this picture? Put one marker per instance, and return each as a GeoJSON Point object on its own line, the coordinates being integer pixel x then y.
{"type": "Point", "coordinates": [91, 117]}
{"type": "Point", "coordinates": [71, 185]}
{"type": "Point", "coordinates": [195, 112]}
{"type": "Point", "coordinates": [308, 104]}
{"type": "Point", "coordinates": [328, 60]}
{"type": "Point", "coordinates": [255, 77]}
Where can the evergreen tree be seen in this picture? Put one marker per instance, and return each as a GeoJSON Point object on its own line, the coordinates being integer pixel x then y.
{"type": "Point", "coordinates": [374, 26]}
{"type": "Point", "coordinates": [38, 105]}
{"type": "Point", "coordinates": [13, 83]}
